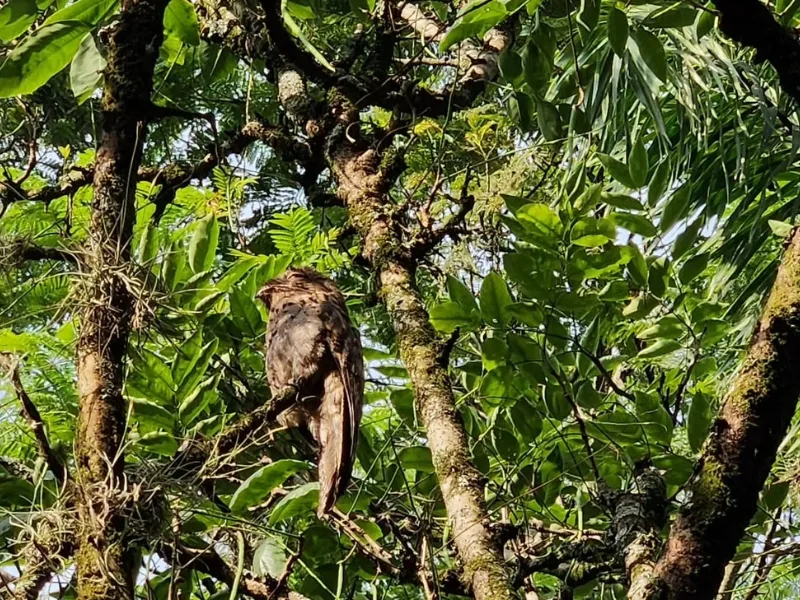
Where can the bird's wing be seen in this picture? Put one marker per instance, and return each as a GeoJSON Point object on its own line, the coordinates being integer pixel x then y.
{"type": "Point", "coordinates": [345, 348]}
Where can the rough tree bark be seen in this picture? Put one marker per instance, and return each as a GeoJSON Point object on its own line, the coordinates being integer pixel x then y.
{"type": "Point", "coordinates": [740, 450]}
{"type": "Point", "coordinates": [363, 188]}
{"type": "Point", "coordinates": [104, 559]}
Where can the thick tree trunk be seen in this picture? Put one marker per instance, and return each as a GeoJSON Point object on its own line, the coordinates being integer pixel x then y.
{"type": "Point", "coordinates": [363, 189]}
{"type": "Point", "coordinates": [740, 450]}
{"type": "Point", "coordinates": [105, 561]}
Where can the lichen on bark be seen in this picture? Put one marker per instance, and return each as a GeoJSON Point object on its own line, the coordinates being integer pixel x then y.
{"type": "Point", "coordinates": [105, 560]}
{"type": "Point", "coordinates": [740, 450]}
{"type": "Point", "coordinates": [363, 189]}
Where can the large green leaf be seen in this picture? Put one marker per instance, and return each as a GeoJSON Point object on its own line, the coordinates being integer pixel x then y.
{"type": "Point", "coordinates": [477, 17]}
{"type": "Point", "coordinates": [260, 484]}
{"type": "Point", "coordinates": [15, 18]}
{"type": "Point", "coordinates": [180, 21]}
{"type": "Point", "coordinates": [417, 458]}
{"type": "Point", "coordinates": [495, 299]}
{"type": "Point", "coordinates": [85, 75]}
{"type": "Point", "coordinates": [652, 51]}
{"type": "Point", "coordinates": [617, 30]}
{"type": "Point", "coordinates": [31, 64]}
{"type": "Point", "coordinates": [299, 501]}
{"type": "Point", "coordinates": [89, 12]}
{"type": "Point", "coordinates": [203, 244]}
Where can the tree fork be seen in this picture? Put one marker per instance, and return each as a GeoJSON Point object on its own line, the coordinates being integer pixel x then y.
{"type": "Point", "coordinates": [363, 188]}
{"type": "Point", "coordinates": [740, 449]}
{"type": "Point", "coordinates": [106, 562]}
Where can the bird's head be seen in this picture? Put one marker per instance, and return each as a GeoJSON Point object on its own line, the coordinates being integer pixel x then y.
{"type": "Point", "coordinates": [291, 281]}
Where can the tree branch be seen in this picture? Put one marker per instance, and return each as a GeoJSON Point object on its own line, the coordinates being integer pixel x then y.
{"type": "Point", "coordinates": [740, 449]}
{"type": "Point", "coordinates": [428, 238]}
{"type": "Point", "coordinates": [195, 455]}
{"type": "Point", "coordinates": [34, 419]}
{"type": "Point", "coordinates": [752, 24]}
{"type": "Point", "coordinates": [174, 177]}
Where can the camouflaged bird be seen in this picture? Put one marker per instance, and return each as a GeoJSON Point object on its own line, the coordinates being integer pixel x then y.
{"type": "Point", "coordinates": [313, 347]}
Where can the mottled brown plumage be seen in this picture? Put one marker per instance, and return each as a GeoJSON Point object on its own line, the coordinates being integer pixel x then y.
{"type": "Point", "coordinates": [312, 346]}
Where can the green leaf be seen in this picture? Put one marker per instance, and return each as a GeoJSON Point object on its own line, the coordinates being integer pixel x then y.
{"type": "Point", "coordinates": [197, 371]}
{"type": "Point", "coordinates": [269, 559]}
{"type": "Point", "coordinates": [89, 12]}
{"type": "Point", "coordinates": [679, 14]}
{"type": "Point", "coordinates": [31, 64]}
{"type": "Point", "coordinates": [587, 396]}
{"type": "Point", "coordinates": [549, 120]}
{"type": "Point", "coordinates": [476, 19]}
{"type": "Point", "coordinates": [652, 51]}
{"type": "Point", "coordinates": [152, 414]}
{"type": "Point", "coordinates": [667, 327]}
{"type": "Point", "coordinates": [622, 201]}
{"type": "Point", "coordinates": [637, 164]}
{"type": "Point", "coordinates": [772, 498]}
{"type": "Point", "coordinates": [659, 183]}
{"type": "Point", "coordinates": [150, 378]}
{"type": "Point", "coordinates": [617, 31]}
{"type": "Point", "coordinates": [417, 458]}
{"type": "Point", "coordinates": [180, 21]}
{"type": "Point", "coordinates": [245, 313]}
{"type": "Point", "coordinates": [659, 348]}
{"type": "Point", "coordinates": [705, 366]}
{"type": "Point", "coordinates": [299, 501]}
{"type": "Point", "coordinates": [294, 29]}
{"type": "Point", "coordinates": [449, 316]}
{"type": "Point", "coordinates": [197, 401]}
{"type": "Point", "coordinates": [699, 420]}
{"type": "Point", "coordinates": [187, 354]}
{"type": "Point", "coordinates": [510, 64]}
{"type": "Point", "coordinates": [461, 294]}
{"type": "Point", "coordinates": [260, 484]}
{"type": "Point", "coordinates": [15, 18]}
{"type": "Point", "coordinates": [705, 23]}
{"type": "Point", "coordinates": [540, 218]}
{"type": "Point", "coordinates": [675, 209]}
{"type": "Point", "coordinates": [589, 198]}
{"type": "Point", "coordinates": [677, 469]}
{"type": "Point", "coordinates": [86, 73]}
{"type": "Point", "coordinates": [590, 233]}
{"type": "Point", "coordinates": [618, 170]}
{"type": "Point", "coordinates": [494, 300]}
{"type": "Point", "coordinates": [159, 442]}
{"type": "Point", "coordinates": [302, 9]}
{"type": "Point", "coordinates": [494, 352]}
{"type": "Point", "coordinates": [556, 403]}
{"type": "Point", "coordinates": [686, 238]}
{"type": "Point", "coordinates": [203, 245]}
{"type": "Point", "coordinates": [537, 66]}
{"type": "Point", "coordinates": [781, 228]}
{"type": "Point", "coordinates": [637, 266]}
{"type": "Point", "coordinates": [657, 278]}
{"type": "Point", "coordinates": [634, 223]}
{"type": "Point", "coordinates": [589, 14]}
{"type": "Point", "coordinates": [639, 307]}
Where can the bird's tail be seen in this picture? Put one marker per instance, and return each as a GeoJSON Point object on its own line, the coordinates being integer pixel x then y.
{"type": "Point", "coordinates": [337, 435]}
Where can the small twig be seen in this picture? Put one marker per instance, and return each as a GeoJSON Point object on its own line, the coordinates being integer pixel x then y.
{"type": "Point", "coordinates": [604, 372]}
{"type": "Point", "coordinates": [447, 347]}
{"type": "Point", "coordinates": [682, 389]}
{"type": "Point", "coordinates": [366, 543]}
{"type": "Point", "coordinates": [429, 238]}
{"type": "Point", "coordinates": [287, 570]}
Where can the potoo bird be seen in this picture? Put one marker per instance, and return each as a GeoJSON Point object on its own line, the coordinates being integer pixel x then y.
{"type": "Point", "coordinates": [313, 347]}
